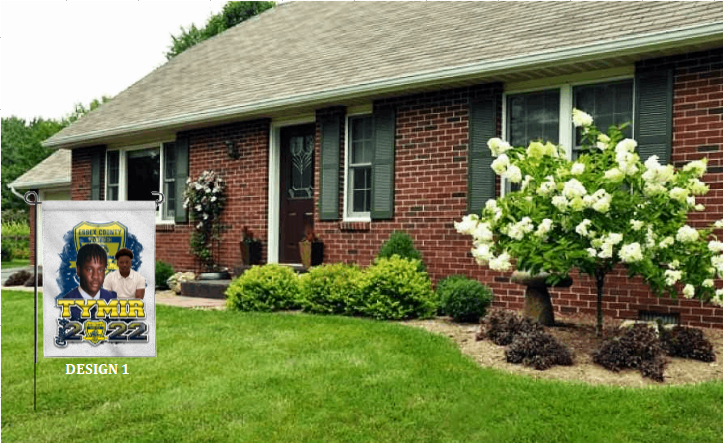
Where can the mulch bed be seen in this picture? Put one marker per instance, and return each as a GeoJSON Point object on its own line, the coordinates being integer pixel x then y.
{"type": "Point", "coordinates": [578, 333]}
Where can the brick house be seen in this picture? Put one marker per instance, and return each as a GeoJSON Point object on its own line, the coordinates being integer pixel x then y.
{"type": "Point", "coordinates": [358, 119]}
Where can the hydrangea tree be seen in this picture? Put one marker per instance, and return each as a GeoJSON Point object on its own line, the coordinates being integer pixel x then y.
{"type": "Point", "coordinates": [603, 209]}
{"type": "Point", "coordinates": [206, 198]}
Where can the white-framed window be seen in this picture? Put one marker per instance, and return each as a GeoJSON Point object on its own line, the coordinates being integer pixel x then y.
{"type": "Point", "coordinates": [358, 167]}
{"type": "Point", "coordinates": [133, 172]}
{"type": "Point", "coordinates": [545, 112]}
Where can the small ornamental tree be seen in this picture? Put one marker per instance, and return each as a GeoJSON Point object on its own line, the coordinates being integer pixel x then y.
{"type": "Point", "coordinates": [604, 209]}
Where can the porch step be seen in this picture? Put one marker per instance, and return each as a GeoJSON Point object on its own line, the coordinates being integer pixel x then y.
{"type": "Point", "coordinates": [205, 288]}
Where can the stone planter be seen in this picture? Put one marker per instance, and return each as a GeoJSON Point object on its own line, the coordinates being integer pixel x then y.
{"type": "Point", "coordinates": [223, 275]}
{"type": "Point", "coordinates": [538, 305]}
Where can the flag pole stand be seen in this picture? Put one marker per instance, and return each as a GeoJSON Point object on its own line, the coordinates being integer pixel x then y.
{"type": "Point", "coordinates": [35, 202]}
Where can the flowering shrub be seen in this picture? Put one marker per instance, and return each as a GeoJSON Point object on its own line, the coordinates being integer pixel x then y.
{"type": "Point", "coordinates": [605, 208]}
{"type": "Point", "coordinates": [206, 199]}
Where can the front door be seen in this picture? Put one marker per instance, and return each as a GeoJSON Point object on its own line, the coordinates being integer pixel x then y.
{"type": "Point", "coordinates": [297, 189]}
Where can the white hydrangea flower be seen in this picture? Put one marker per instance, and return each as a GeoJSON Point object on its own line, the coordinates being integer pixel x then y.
{"type": "Point", "coordinates": [690, 201]}
{"type": "Point", "coordinates": [198, 207]}
{"type": "Point", "coordinates": [482, 254]}
{"type": "Point", "coordinates": [514, 174]}
{"type": "Point", "coordinates": [577, 168]}
{"type": "Point", "coordinates": [491, 205]}
{"type": "Point", "coordinates": [708, 283]}
{"type": "Point", "coordinates": [580, 118]}
{"type": "Point", "coordinates": [550, 150]}
{"type": "Point", "coordinates": [573, 188]}
{"type": "Point", "coordinates": [627, 145]}
{"type": "Point", "coordinates": [667, 241]}
{"type": "Point", "coordinates": [547, 187]}
{"type": "Point", "coordinates": [678, 194]}
{"type": "Point", "coordinates": [560, 203]}
{"type": "Point", "coordinates": [718, 224]}
{"type": "Point", "coordinates": [467, 225]}
{"type": "Point", "coordinates": [581, 228]}
{"type": "Point", "coordinates": [715, 246]}
{"type": "Point", "coordinates": [675, 264]}
{"type": "Point", "coordinates": [544, 227]}
{"type": "Point", "coordinates": [526, 182]}
{"type": "Point", "coordinates": [671, 277]}
{"type": "Point", "coordinates": [717, 300]}
{"type": "Point", "coordinates": [652, 189]}
{"type": "Point", "coordinates": [614, 175]}
{"type": "Point", "coordinates": [535, 150]}
{"type": "Point", "coordinates": [698, 167]}
{"type": "Point", "coordinates": [501, 263]}
{"type": "Point", "coordinates": [498, 146]}
{"type": "Point", "coordinates": [686, 234]}
{"type": "Point", "coordinates": [699, 207]}
{"type": "Point", "coordinates": [631, 253]}
{"type": "Point", "coordinates": [482, 233]}
{"type": "Point", "coordinates": [689, 291]}
{"type": "Point", "coordinates": [500, 164]}
{"type": "Point", "coordinates": [697, 187]}
{"type": "Point", "coordinates": [606, 251]}
{"type": "Point", "coordinates": [602, 142]}
{"type": "Point", "coordinates": [637, 225]}
{"type": "Point", "coordinates": [717, 262]}
{"type": "Point", "coordinates": [613, 238]}
{"type": "Point", "coordinates": [592, 252]}
{"type": "Point", "coordinates": [603, 204]}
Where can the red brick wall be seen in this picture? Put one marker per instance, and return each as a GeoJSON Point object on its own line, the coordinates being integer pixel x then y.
{"type": "Point", "coordinates": [432, 137]}
{"type": "Point", "coordinates": [246, 191]}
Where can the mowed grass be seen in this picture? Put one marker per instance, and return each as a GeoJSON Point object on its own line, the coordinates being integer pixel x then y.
{"type": "Point", "coordinates": [15, 263]}
{"type": "Point", "coordinates": [230, 376]}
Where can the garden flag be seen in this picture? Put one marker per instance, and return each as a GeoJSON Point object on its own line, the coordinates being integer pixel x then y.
{"type": "Point", "coordinates": [99, 278]}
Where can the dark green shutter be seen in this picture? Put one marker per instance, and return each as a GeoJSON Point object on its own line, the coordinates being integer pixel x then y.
{"type": "Point", "coordinates": [329, 176]}
{"type": "Point", "coordinates": [95, 161]}
{"type": "Point", "coordinates": [383, 165]}
{"type": "Point", "coordinates": [181, 147]}
{"type": "Point", "coordinates": [480, 177]}
{"type": "Point", "coordinates": [654, 114]}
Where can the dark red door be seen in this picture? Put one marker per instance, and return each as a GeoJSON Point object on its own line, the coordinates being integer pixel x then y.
{"type": "Point", "coordinates": [297, 189]}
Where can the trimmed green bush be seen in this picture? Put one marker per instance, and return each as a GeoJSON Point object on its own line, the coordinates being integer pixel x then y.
{"type": "Point", "coordinates": [164, 271]}
{"type": "Point", "coordinates": [394, 289]}
{"type": "Point", "coordinates": [331, 289]}
{"type": "Point", "coordinates": [400, 243]}
{"type": "Point", "coordinates": [463, 299]}
{"type": "Point", "coordinates": [265, 288]}
{"type": "Point", "coordinates": [6, 252]}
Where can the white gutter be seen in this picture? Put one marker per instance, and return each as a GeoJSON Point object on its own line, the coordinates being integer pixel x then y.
{"type": "Point", "coordinates": [626, 46]}
{"type": "Point", "coordinates": [21, 196]}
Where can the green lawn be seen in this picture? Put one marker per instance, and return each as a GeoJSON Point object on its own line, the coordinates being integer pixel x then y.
{"type": "Point", "coordinates": [228, 376]}
{"type": "Point", "coordinates": [15, 263]}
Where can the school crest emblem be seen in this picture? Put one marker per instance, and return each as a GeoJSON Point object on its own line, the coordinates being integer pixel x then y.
{"type": "Point", "coordinates": [111, 236]}
{"type": "Point", "coordinates": [94, 331]}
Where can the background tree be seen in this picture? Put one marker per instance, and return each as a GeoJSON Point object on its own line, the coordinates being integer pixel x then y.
{"type": "Point", "coordinates": [22, 150]}
{"type": "Point", "coordinates": [233, 13]}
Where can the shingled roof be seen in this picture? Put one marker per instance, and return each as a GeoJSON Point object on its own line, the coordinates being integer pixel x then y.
{"type": "Point", "coordinates": [304, 53]}
{"type": "Point", "coordinates": [53, 171]}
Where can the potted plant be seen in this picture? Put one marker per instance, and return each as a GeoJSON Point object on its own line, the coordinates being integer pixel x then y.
{"type": "Point", "coordinates": [311, 249]}
{"type": "Point", "coordinates": [250, 247]}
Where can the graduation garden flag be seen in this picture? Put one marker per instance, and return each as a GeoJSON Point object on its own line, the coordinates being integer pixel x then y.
{"type": "Point", "coordinates": [87, 310]}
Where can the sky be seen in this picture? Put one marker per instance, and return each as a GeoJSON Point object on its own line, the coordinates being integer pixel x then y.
{"type": "Point", "coordinates": [54, 54]}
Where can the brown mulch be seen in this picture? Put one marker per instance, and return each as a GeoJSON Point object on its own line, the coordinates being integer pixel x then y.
{"type": "Point", "coordinates": [578, 333]}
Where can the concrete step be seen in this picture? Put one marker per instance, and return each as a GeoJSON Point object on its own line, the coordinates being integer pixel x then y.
{"type": "Point", "coordinates": [217, 288]}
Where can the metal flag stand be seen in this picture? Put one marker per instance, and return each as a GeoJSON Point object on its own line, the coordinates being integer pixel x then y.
{"type": "Point", "coordinates": [35, 202]}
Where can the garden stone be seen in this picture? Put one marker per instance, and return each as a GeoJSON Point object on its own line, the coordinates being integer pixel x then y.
{"type": "Point", "coordinates": [538, 305]}
{"type": "Point", "coordinates": [174, 282]}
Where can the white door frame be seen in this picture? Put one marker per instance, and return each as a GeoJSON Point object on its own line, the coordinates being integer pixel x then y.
{"type": "Point", "coordinates": [274, 181]}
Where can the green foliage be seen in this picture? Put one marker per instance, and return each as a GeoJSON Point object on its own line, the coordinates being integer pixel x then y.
{"type": "Point", "coordinates": [463, 299]}
{"type": "Point", "coordinates": [163, 272]}
{"type": "Point", "coordinates": [22, 150]}
{"type": "Point", "coordinates": [233, 13]}
{"type": "Point", "coordinates": [6, 252]}
{"type": "Point", "coordinates": [394, 288]}
{"type": "Point", "coordinates": [16, 240]}
{"type": "Point", "coordinates": [400, 243]}
{"type": "Point", "coordinates": [266, 288]}
{"type": "Point", "coordinates": [331, 289]}
{"type": "Point", "coordinates": [15, 229]}
{"type": "Point", "coordinates": [206, 199]}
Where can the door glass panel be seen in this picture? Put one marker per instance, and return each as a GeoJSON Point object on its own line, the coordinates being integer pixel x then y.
{"type": "Point", "coordinates": [301, 184]}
